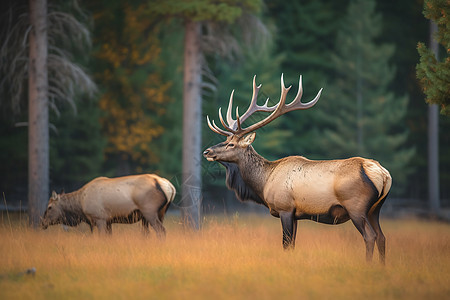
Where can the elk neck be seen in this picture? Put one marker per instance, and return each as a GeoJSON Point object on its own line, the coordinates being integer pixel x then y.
{"type": "Point", "coordinates": [254, 170]}
{"type": "Point", "coordinates": [71, 205]}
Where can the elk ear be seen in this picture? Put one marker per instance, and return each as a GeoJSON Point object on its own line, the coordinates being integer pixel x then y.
{"type": "Point", "coordinates": [54, 195]}
{"type": "Point", "coordinates": [248, 139]}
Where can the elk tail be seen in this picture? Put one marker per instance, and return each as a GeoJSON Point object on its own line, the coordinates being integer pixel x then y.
{"type": "Point", "coordinates": [169, 192]}
{"type": "Point", "coordinates": [168, 189]}
{"type": "Point", "coordinates": [381, 179]}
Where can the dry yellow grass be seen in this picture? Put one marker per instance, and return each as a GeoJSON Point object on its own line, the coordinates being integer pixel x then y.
{"type": "Point", "coordinates": [239, 257]}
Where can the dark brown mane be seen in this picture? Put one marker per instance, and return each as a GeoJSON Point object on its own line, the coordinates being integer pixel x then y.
{"type": "Point", "coordinates": [72, 212]}
{"type": "Point", "coordinates": [235, 183]}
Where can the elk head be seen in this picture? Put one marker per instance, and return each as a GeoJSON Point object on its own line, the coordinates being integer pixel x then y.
{"type": "Point", "coordinates": [239, 138]}
{"type": "Point", "coordinates": [54, 213]}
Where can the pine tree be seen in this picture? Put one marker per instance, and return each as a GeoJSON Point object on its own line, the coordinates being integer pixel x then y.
{"type": "Point", "coordinates": [305, 41]}
{"type": "Point", "coordinates": [306, 31]}
{"type": "Point", "coordinates": [434, 74]}
{"type": "Point", "coordinates": [363, 117]}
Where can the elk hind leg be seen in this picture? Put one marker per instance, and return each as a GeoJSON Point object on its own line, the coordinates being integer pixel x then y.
{"type": "Point", "coordinates": [289, 225]}
{"type": "Point", "coordinates": [156, 224]}
{"type": "Point", "coordinates": [368, 233]}
{"type": "Point", "coordinates": [374, 219]}
{"type": "Point", "coordinates": [162, 211]}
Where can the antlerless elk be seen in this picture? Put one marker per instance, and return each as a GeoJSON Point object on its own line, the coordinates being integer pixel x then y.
{"type": "Point", "coordinates": [104, 201]}
{"type": "Point", "coordinates": [294, 187]}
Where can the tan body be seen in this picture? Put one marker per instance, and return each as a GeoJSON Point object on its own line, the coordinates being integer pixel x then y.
{"type": "Point", "coordinates": [313, 187]}
{"type": "Point", "coordinates": [103, 201]}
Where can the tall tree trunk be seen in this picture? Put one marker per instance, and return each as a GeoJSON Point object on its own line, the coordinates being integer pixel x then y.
{"type": "Point", "coordinates": [192, 117]}
{"type": "Point", "coordinates": [433, 139]}
{"type": "Point", "coordinates": [38, 135]}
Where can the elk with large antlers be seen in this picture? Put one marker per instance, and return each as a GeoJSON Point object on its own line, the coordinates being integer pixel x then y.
{"type": "Point", "coordinates": [294, 187]}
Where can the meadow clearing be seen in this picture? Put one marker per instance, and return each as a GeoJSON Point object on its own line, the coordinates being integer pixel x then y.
{"type": "Point", "coordinates": [234, 257]}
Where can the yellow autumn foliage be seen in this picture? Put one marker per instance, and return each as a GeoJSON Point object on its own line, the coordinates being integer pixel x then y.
{"type": "Point", "coordinates": [134, 92]}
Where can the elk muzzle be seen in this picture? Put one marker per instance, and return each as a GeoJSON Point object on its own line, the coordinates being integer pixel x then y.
{"type": "Point", "coordinates": [44, 224]}
{"type": "Point", "coordinates": [209, 154]}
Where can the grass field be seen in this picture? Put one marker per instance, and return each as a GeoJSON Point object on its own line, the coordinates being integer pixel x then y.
{"type": "Point", "coordinates": [238, 257]}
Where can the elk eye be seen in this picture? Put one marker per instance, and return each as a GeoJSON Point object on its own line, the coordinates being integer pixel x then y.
{"type": "Point", "coordinates": [230, 145]}
{"type": "Point", "coordinates": [49, 208]}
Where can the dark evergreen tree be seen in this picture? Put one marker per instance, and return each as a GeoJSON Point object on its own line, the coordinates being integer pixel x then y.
{"type": "Point", "coordinates": [76, 146]}
{"type": "Point", "coordinates": [433, 73]}
{"type": "Point", "coordinates": [169, 145]}
{"type": "Point", "coordinates": [362, 115]}
{"type": "Point", "coordinates": [414, 27]}
{"type": "Point", "coordinates": [304, 39]}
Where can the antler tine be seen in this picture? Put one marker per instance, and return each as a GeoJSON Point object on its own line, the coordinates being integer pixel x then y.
{"type": "Point", "coordinates": [223, 122]}
{"type": "Point", "coordinates": [254, 107]}
{"type": "Point", "coordinates": [238, 120]}
{"type": "Point", "coordinates": [297, 104]}
{"type": "Point", "coordinates": [300, 90]}
{"type": "Point", "coordinates": [281, 108]}
{"type": "Point", "coordinates": [230, 106]}
{"type": "Point", "coordinates": [216, 129]}
{"type": "Point", "coordinates": [253, 104]}
{"type": "Point", "coordinates": [284, 92]}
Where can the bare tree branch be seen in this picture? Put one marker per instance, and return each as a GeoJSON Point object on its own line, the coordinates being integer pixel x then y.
{"type": "Point", "coordinates": [66, 36]}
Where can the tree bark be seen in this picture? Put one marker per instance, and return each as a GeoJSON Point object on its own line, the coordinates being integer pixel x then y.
{"type": "Point", "coordinates": [38, 133]}
{"type": "Point", "coordinates": [191, 190]}
{"type": "Point", "coordinates": [433, 139]}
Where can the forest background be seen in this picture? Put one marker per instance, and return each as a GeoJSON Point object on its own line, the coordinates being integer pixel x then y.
{"type": "Point", "coordinates": [363, 56]}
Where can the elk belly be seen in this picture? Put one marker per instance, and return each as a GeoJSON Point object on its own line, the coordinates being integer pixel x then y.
{"type": "Point", "coordinates": [314, 198]}
{"type": "Point", "coordinates": [119, 203]}
{"type": "Point", "coordinates": [314, 205]}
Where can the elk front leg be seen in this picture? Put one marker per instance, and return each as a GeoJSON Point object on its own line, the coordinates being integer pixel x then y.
{"type": "Point", "coordinates": [145, 229]}
{"type": "Point", "coordinates": [289, 224]}
{"type": "Point", "coordinates": [103, 227]}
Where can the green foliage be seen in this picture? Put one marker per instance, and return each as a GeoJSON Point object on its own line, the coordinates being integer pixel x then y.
{"type": "Point", "coordinates": [13, 160]}
{"type": "Point", "coordinates": [133, 94]}
{"type": "Point", "coordinates": [169, 144]}
{"type": "Point", "coordinates": [76, 145]}
{"type": "Point", "coordinates": [205, 10]}
{"type": "Point", "coordinates": [361, 116]}
{"type": "Point", "coordinates": [434, 75]}
{"type": "Point", "coordinates": [304, 40]}
{"type": "Point", "coordinates": [305, 36]}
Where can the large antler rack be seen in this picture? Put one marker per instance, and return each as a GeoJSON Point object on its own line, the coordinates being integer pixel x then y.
{"type": "Point", "coordinates": [234, 126]}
